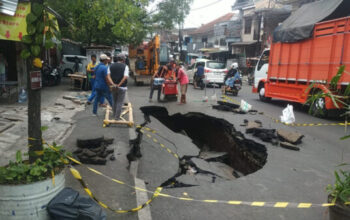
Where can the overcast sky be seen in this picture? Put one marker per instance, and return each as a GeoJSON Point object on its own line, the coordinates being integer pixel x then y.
{"type": "Point", "coordinates": [201, 15]}
{"type": "Point", "coordinates": [204, 11]}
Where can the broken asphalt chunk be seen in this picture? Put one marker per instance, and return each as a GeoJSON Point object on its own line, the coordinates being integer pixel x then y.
{"type": "Point", "coordinates": [289, 146]}
{"type": "Point", "coordinates": [289, 136]}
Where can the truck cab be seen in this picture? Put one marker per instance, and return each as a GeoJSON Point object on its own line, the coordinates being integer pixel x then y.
{"type": "Point", "coordinates": [260, 73]}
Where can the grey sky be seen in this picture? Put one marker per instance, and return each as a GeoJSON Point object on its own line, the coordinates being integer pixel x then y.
{"type": "Point", "coordinates": [215, 9]}
{"type": "Point", "coordinates": [200, 14]}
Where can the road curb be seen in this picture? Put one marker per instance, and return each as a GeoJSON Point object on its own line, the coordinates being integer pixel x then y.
{"type": "Point", "coordinates": [141, 197]}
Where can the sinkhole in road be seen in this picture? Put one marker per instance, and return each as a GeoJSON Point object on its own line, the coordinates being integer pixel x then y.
{"type": "Point", "coordinates": [211, 134]}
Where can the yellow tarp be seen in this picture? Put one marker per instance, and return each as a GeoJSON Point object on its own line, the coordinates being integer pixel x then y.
{"type": "Point", "coordinates": [15, 27]}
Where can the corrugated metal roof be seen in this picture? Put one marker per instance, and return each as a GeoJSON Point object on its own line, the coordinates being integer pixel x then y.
{"type": "Point", "coordinates": [8, 7]}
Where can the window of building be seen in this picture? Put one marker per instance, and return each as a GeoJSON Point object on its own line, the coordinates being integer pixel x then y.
{"type": "Point", "coordinates": [222, 42]}
{"type": "Point", "coordinates": [216, 42]}
{"type": "Point", "coordinates": [248, 25]}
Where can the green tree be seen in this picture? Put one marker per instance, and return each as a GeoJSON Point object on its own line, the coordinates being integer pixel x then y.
{"type": "Point", "coordinates": [172, 12]}
{"type": "Point", "coordinates": [104, 21]}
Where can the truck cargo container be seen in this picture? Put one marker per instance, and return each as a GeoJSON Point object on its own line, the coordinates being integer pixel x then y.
{"type": "Point", "coordinates": [295, 61]}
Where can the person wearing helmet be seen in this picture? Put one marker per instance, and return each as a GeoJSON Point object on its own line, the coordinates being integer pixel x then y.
{"type": "Point", "coordinates": [232, 75]}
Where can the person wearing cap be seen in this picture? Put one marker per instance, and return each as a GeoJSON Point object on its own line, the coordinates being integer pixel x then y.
{"type": "Point", "coordinates": [102, 82]}
{"type": "Point", "coordinates": [119, 73]}
{"type": "Point", "coordinates": [183, 80]}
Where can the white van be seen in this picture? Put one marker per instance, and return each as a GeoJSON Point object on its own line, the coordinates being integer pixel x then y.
{"type": "Point", "coordinates": [214, 71]}
{"type": "Point", "coordinates": [67, 64]}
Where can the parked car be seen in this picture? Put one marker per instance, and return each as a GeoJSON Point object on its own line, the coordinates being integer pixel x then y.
{"type": "Point", "coordinates": [67, 65]}
{"type": "Point", "coordinates": [214, 71]}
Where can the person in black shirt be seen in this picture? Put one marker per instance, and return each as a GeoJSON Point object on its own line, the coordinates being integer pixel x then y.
{"type": "Point", "coordinates": [119, 73]}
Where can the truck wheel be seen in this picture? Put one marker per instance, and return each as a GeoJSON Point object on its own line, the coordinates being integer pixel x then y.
{"type": "Point", "coordinates": [262, 96]}
{"type": "Point", "coordinates": [318, 108]}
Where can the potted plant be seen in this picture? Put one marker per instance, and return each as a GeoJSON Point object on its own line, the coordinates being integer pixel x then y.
{"type": "Point", "coordinates": [26, 188]}
{"type": "Point", "coordinates": [339, 192]}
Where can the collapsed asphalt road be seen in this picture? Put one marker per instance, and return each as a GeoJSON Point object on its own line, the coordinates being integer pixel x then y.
{"type": "Point", "coordinates": [221, 147]}
{"type": "Point", "coordinates": [287, 176]}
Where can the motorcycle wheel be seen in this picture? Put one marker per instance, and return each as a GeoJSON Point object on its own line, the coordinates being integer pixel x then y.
{"type": "Point", "coordinates": [202, 86]}
{"type": "Point", "coordinates": [51, 80]}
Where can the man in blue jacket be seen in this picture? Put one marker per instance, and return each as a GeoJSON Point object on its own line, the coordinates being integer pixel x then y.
{"type": "Point", "coordinates": [102, 82]}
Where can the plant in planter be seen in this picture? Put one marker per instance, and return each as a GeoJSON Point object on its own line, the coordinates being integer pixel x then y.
{"type": "Point", "coordinates": [339, 192]}
{"type": "Point", "coordinates": [26, 188]}
{"type": "Point", "coordinates": [21, 171]}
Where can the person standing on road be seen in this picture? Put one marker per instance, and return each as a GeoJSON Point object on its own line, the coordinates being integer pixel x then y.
{"type": "Point", "coordinates": [157, 84]}
{"type": "Point", "coordinates": [119, 73]}
{"type": "Point", "coordinates": [183, 79]}
{"type": "Point", "coordinates": [102, 82]}
{"type": "Point", "coordinates": [198, 75]}
{"type": "Point", "coordinates": [90, 70]}
{"type": "Point", "coordinates": [3, 65]}
{"type": "Point", "coordinates": [91, 75]}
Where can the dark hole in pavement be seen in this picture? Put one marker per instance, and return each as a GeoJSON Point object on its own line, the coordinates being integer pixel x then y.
{"type": "Point", "coordinates": [212, 134]}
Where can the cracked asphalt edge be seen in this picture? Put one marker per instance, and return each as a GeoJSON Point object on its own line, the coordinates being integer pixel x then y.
{"type": "Point", "coordinates": [141, 196]}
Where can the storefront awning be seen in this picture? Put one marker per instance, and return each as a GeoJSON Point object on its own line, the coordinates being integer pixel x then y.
{"type": "Point", "coordinates": [15, 27]}
{"type": "Point", "coordinates": [8, 7]}
{"type": "Point", "coordinates": [244, 43]}
{"type": "Point", "coordinates": [209, 50]}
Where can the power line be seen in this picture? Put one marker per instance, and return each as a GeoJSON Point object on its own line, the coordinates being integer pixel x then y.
{"type": "Point", "coordinates": [205, 6]}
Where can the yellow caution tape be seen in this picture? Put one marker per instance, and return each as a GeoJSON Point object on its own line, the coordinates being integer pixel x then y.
{"type": "Point", "coordinates": [226, 99]}
{"type": "Point", "coordinates": [53, 177]}
{"type": "Point", "coordinates": [157, 193]}
{"type": "Point", "coordinates": [77, 176]}
{"type": "Point", "coordinates": [155, 140]}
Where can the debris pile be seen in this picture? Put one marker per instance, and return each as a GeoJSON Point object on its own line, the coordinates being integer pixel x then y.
{"type": "Point", "coordinates": [231, 107]}
{"type": "Point", "coordinates": [94, 151]}
{"type": "Point", "coordinates": [208, 167]}
{"type": "Point", "coordinates": [79, 99]}
{"type": "Point", "coordinates": [286, 139]}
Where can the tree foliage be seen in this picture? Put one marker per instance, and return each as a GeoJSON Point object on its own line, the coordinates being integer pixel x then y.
{"type": "Point", "coordinates": [104, 21]}
{"type": "Point", "coordinates": [171, 13]}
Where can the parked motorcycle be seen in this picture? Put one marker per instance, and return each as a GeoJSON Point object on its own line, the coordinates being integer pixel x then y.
{"type": "Point", "coordinates": [50, 76]}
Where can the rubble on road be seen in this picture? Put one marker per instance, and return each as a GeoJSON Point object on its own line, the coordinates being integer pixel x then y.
{"type": "Point", "coordinates": [286, 139]}
{"type": "Point", "coordinates": [94, 151]}
{"type": "Point", "coordinates": [231, 107]}
{"type": "Point", "coordinates": [289, 146]}
{"type": "Point", "coordinates": [208, 155]}
{"type": "Point", "coordinates": [290, 137]}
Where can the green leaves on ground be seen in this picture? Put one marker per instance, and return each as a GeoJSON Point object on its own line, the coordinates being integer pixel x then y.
{"type": "Point", "coordinates": [21, 172]}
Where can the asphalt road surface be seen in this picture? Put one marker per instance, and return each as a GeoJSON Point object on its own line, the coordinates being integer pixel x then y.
{"type": "Point", "coordinates": [288, 176]}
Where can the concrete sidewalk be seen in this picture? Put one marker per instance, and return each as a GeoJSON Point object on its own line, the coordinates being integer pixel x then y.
{"type": "Point", "coordinates": [114, 195]}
